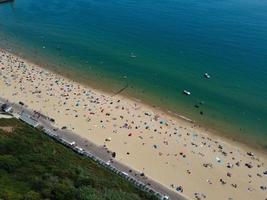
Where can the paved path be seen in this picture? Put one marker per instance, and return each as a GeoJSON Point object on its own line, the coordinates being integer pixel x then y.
{"type": "Point", "coordinates": [97, 151]}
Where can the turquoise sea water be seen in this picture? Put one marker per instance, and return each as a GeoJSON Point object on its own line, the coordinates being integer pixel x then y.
{"type": "Point", "coordinates": [159, 48]}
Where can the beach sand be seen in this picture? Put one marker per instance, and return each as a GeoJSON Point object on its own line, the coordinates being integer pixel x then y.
{"type": "Point", "coordinates": [174, 152]}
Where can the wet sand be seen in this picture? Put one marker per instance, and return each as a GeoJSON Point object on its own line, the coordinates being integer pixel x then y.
{"type": "Point", "coordinates": [175, 152]}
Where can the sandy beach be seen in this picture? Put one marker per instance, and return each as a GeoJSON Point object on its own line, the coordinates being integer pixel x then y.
{"type": "Point", "coordinates": [174, 152]}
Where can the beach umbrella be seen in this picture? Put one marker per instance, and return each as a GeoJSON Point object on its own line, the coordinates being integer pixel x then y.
{"type": "Point", "coordinates": [113, 154]}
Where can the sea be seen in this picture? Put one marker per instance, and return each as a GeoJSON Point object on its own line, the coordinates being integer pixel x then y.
{"type": "Point", "coordinates": [153, 50]}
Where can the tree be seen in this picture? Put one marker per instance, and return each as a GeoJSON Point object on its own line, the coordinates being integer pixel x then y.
{"type": "Point", "coordinates": [88, 193]}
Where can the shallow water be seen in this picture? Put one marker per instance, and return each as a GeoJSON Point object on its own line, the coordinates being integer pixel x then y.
{"type": "Point", "coordinates": [159, 48]}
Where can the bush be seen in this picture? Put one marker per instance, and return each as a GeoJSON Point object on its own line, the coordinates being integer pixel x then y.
{"type": "Point", "coordinates": [88, 193]}
{"type": "Point", "coordinates": [9, 163]}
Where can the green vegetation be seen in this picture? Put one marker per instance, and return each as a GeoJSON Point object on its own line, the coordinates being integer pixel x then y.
{"type": "Point", "coordinates": [33, 166]}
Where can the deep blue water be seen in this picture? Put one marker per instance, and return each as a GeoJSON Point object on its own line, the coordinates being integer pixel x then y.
{"type": "Point", "coordinates": [175, 42]}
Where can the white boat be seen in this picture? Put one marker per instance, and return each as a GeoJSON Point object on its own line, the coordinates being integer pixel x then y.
{"type": "Point", "coordinates": [186, 92]}
{"type": "Point", "coordinates": [206, 75]}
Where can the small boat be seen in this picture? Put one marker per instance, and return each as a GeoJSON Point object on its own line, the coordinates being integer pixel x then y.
{"type": "Point", "coordinates": [206, 75]}
{"type": "Point", "coordinates": [186, 92]}
{"type": "Point", "coordinates": [132, 55]}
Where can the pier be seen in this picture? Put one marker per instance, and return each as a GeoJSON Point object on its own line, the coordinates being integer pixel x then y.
{"type": "Point", "coordinates": [6, 1]}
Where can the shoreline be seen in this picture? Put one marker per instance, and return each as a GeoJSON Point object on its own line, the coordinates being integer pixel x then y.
{"type": "Point", "coordinates": [238, 139]}
{"type": "Point", "coordinates": [235, 136]}
{"type": "Point", "coordinates": [140, 106]}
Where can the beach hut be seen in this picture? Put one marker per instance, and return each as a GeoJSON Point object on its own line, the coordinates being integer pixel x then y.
{"type": "Point", "coordinates": [27, 119]}
{"type": "Point", "coordinates": [72, 143]}
{"type": "Point", "coordinates": [6, 108]}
